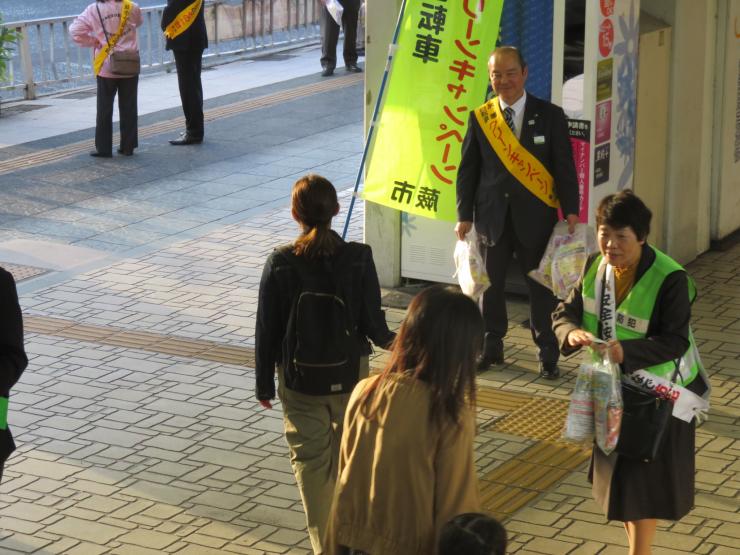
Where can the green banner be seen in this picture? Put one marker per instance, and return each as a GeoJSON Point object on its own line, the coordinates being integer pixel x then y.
{"type": "Point", "coordinates": [3, 413]}
{"type": "Point", "coordinates": [439, 74]}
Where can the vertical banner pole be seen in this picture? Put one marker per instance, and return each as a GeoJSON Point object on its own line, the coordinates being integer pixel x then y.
{"type": "Point", "coordinates": [386, 73]}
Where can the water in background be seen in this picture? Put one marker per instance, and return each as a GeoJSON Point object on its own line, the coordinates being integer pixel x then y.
{"type": "Point", "coordinates": [22, 10]}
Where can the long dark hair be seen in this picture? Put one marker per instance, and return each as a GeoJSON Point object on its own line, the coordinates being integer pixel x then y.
{"type": "Point", "coordinates": [313, 205]}
{"type": "Point", "coordinates": [438, 343]}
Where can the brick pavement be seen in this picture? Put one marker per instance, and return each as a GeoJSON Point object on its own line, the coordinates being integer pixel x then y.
{"type": "Point", "coordinates": [124, 450]}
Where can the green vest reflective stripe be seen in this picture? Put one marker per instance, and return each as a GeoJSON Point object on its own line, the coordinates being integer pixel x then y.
{"type": "Point", "coordinates": [3, 413]}
{"type": "Point", "coordinates": [633, 314]}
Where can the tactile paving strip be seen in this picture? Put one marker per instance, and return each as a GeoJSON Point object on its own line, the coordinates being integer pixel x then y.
{"type": "Point", "coordinates": [147, 341]}
{"type": "Point", "coordinates": [539, 418]}
{"type": "Point", "coordinates": [21, 272]}
{"type": "Point", "coordinates": [513, 484]}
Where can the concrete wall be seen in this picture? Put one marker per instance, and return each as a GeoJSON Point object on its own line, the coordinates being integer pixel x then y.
{"type": "Point", "coordinates": [726, 145]}
{"type": "Point", "coordinates": [382, 225]}
{"type": "Point", "coordinates": [651, 141]}
{"type": "Point", "coordinates": [691, 114]}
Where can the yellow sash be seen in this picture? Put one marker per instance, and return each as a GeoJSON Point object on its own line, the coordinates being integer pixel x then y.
{"type": "Point", "coordinates": [183, 20]}
{"type": "Point", "coordinates": [108, 48]}
{"type": "Point", "coordinates": [521, 163]}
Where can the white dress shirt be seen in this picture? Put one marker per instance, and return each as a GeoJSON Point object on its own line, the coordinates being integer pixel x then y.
{"type": "Point", "coordinates": [518, 108]}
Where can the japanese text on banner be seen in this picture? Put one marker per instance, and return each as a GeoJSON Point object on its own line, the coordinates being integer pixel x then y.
{"type": "Point", "coordinates": [439, 74]}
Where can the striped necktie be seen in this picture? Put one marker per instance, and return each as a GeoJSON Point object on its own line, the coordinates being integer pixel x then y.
{"type": "Point", "coordinates": [509, 117]}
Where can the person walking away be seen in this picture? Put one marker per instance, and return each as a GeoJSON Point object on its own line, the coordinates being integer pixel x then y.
{"type": "Point", "coordinates": [103, 24]}
{"type": "Point", "coordinates": [330, 37]}
{"type": "Point", "coordinates": [13, 358]}
{"type": "Point", "coordinates": [319, 302]}
{"type": "Point", "coordinates": [650, 310]}
{"type": "Point", "coordinates": [406, 463]}
{"type": "Point", "coordinates": [184, 26]}
{"type": "Point", "coordinates": [514, 206]}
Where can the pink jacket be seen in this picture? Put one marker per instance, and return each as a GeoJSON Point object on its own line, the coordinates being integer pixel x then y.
{"type": "Point", "coordinates": [87, 30]}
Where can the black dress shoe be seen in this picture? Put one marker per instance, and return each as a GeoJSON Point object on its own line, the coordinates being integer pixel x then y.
{"type": "Point", "coordinates": [549, 370]}
{"type": "Point", "coordinates": [489, 359]}
{"type": "Point", "coordinates": [97, 154]}
{"type": "Point", "coordinates": [353, 68]}
{"type": "Point", "coordinates": [186, 139]}
{"type": "Point", "coordinates": [327, 72]}
{"type": "Point", "coordinates": [125, 152]}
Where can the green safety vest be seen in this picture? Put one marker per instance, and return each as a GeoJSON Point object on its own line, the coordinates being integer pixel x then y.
{"type": "Point", "coordinates": [3, 413]}
{"type": "Point", "coordinates": [633, 314]}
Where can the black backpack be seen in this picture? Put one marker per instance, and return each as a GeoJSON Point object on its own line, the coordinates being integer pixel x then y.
{"type": "Point", "coordinates": [321, 348]}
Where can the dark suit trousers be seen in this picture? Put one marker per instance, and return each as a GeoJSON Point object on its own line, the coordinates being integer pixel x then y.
{"type": "Point", "coordinates": [127, 109]}
{"type": "Point", "coordinates": [541, 300]}
{"type": "Point", "coordinates": [189, 64]}
{"type": "Point", "coordinates": [330, 34]}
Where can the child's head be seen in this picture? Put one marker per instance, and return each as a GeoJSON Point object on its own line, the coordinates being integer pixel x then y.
{"type": "Point", "coordinates": [313, 205]}
{"type": "Point", "coordinates": [472, 534]}
{"type": "Point", "coordinates": [439, 341]}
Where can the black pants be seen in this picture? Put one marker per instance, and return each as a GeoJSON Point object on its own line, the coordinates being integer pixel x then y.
{"type": "Point", "coordinates": [541, 300]}
{"type": "Point", "coordinates": [127, 109]}
{"type": "Point", "coordinates": [330, 34]}
{"type": "Point", "coordinates": [189, 64]}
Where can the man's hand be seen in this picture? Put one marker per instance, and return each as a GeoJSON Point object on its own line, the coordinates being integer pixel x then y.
{"type": "Point", "coordinates": [580, 338]}
{"type": "Point", "coordinates": [572, 220]}
{"type": "Point", "coordinates": [462, 229]}
{"type": "Point", "coordinates": [266, 404]}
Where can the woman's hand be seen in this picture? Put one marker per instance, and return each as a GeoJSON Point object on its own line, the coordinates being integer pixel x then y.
{"type": "Point", "coordinates": [580, 338]}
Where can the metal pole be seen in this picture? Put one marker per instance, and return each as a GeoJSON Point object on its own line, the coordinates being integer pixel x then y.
{"type": "Point", "coordinates": [27, 63]}
{"type": "Point", "coordinates": [386, 73]}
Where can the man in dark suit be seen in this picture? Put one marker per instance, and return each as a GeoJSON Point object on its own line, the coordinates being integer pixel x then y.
{"type": "Point", "coordinates": [330, 37]}
{"type": "Point", "coordinates": [185, 30]}
{"type": "Point", "coordinates": [508, 216]}
{"type": "Point", "coordinates": [13, 358]}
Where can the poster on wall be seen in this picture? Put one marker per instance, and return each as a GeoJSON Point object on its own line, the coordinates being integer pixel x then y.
{"type": "Point", "coordinates": [580, 141]}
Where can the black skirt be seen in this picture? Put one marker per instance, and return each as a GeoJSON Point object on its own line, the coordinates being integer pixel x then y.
{"type": "Point", "coordinates": [629, 490]}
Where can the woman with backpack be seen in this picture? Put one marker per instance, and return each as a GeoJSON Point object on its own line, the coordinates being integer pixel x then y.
{"type": "Point", "coordinates": [406, 462]}
{"type": "Point", "coordinates": [319, 302]}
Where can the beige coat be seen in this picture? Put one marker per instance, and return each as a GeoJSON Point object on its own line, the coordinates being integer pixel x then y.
{"type": "Point", "coordinates": [401, 476]}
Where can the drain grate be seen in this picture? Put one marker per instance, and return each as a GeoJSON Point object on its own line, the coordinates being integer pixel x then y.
{"type": "Point", "coordinates": [21, 272]}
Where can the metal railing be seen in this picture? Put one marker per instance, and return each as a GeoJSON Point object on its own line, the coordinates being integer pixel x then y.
{"type": "Point", "coordinates": [47, 60]}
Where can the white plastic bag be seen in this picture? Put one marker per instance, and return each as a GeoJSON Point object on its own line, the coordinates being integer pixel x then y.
{"type": "Point", "coordinates": [335, 10]}
{"type": "Point", "coordinates": [470, 266]}
{"type": "Point", "coordinates": [564, 258]}
{"type": "Point", "coordinates": [607, 393]}
{"type": "Point", "coordinates": [579, 424]}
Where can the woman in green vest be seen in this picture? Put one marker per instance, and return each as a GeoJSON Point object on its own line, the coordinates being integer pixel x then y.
{"type": "Point", "coordinates": [638, 300]}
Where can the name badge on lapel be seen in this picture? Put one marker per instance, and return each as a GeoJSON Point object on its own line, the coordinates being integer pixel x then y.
{"type": "Point", "coordinates": [539, 139]}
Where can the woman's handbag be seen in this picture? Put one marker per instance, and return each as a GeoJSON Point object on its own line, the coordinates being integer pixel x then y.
{"type": "Point", "coordinates": [645, 420]}
{"type": "Point", "coordinates": [122, 63]}
{"type": "Point", "coordinates": [125, 63]}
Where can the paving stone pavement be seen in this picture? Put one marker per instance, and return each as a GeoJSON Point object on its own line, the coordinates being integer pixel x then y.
{"type": "Point", "coordinates": [128, 451]}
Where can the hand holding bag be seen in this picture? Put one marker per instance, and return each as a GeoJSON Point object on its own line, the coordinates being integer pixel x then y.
{"type": "Point", "coordinates": [645, 419]}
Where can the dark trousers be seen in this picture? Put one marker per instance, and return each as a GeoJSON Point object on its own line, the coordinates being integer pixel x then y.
{"type": "Point", "coordinates": [127, 110]}
{"type": "Point", "coordinates": [189, 64]}
{"type": "Point", "coordinates": [330, 34]}
{"type": "Point", "coordinates": [541, 300]}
